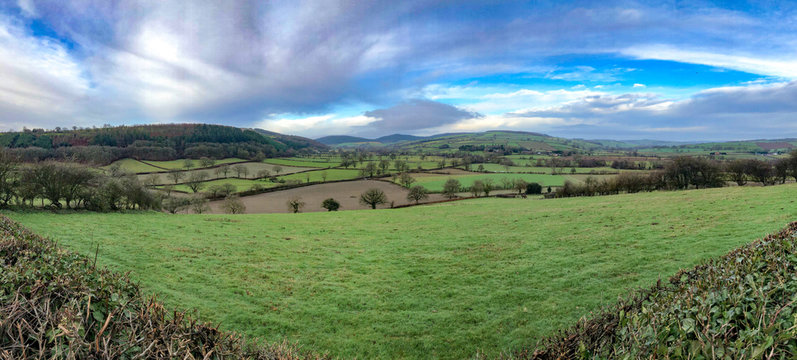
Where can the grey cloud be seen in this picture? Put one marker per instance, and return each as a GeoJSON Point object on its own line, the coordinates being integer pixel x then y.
{"type": "Point", "coordinates": [416, 115]}
{"type": "Point", "coordinates": [241, 60]}
{"type": "Point", "coordinates": [731, 113]}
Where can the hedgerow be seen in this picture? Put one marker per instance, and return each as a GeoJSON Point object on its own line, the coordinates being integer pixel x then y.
{"type": "Point", "coordinates": [57, 304]}
{"type": "Point", "coordinates": [738, 306]}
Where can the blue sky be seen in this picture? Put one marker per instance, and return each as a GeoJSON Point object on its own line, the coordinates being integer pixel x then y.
{"type": "Point", "coordinates": [670, 70]}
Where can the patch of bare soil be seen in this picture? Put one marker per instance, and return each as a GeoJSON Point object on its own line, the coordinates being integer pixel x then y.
{"type": "Point", "coordinates": [346, 193]}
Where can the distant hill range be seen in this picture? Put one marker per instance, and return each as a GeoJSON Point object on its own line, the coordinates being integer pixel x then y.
{"type": "Point", "coordinates": [498, 140]}
{"type": "Point", "coordinates": [333, 140]}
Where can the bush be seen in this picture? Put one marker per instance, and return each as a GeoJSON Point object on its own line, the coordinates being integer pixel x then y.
{"type": "Point", "coordinates": [233, 205]}
{"type": "Point", "coordinates": [533, 189]}
{"type": "Point", "coordinates": [330, 204]}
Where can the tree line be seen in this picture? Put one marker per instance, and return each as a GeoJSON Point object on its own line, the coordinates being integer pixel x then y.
{"type": "Point", "coordinates": [687, 172]}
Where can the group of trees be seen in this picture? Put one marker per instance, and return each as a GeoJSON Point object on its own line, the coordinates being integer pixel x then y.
{"type": "Point", "coordinates": [689, 172]}
{"type": "Point", "coordinates": [743, 170]}
{"type": "Point", "coordinates": [61, 185]}
{"type": "Point", "coordinates": [148, 142]}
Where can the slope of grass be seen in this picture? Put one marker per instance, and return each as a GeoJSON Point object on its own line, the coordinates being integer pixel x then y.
{"type": "Point", "coordinates": [431, 281]}
{"type": "Point", "coordinates": [58, 305]}
{"type": "Point", "coordinates": [738, 306]}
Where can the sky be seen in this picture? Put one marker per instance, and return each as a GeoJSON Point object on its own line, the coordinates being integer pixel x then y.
{"type": "Point", "coordinates": [667, 70]}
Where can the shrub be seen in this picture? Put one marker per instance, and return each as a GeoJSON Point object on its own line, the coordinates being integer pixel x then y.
{"type": "Point", "coordinates": [233, 205]}
{"type": "Point", "coordinates": [533, 188]}
{"type": "Point", "coordinates": [330, 204]}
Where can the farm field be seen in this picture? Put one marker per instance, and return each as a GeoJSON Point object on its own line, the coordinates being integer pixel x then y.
{"type": "Point", "coordinates": [496, 168]}
{"type": "Point", "coordinates": [133, 166]}
{"type": "Point", "coordinates": [406, 284]}
{"type": "Point", "coordinates": [435, 182]}
{"type": "Point", "coordinates": [346, 193]}
{"type": "Point", "coordinates": [318, 175]}
{"type": "Point", "coordinates": [240, 184]}
{"type": "Point", "coordinates": [195, 164]}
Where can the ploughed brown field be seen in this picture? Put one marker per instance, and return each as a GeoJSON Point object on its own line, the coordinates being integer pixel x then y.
{"type": "Point", "coordinates": [346, 193]}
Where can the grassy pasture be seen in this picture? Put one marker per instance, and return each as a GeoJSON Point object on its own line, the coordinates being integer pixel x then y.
{"type": "Point", "coordinates": [195, 164]}
{"type": "Point", "coordinates": [435, 182]}
{"type": "Point", "coordinates": [240, 184]}
{"type": "Point", "coordinates": [133, 166]}
{"type": "Point", "coordinates": [318, 175]}
{"type": "Point", "coordinates": [420, 282]}
{"type": "Point", "coordinates": [301, 163]}
{"type": "Point", "coordinates": [540, 169]}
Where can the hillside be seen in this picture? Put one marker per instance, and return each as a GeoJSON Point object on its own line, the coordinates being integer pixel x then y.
{"type": "Point", "coordinates": [420, 282]}
{"type": "Point", "coordinates": [346, 140]}
{"type": "Point", "coordinates": [508, 141]}
{"type": "Point", "coordinates": [152, 142]}
{"type": "Point", "coordinates": [342, 139]}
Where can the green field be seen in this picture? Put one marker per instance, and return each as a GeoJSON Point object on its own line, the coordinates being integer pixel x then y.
{"type": "Point", "coordinates": [318, 175]}
{"type": "Point", "coordinates": [537, 169]}
{"type": "Point", "coordinates": [420, 282]}
{"type": "Point", "coordinates": [195, 164]}
{"type": "Point", "coordinates": [133, 166]}
{"type": "Point", "coordinates": [435, 183]}
{"type": "Point", "coordinates": [240, 184]}
{"type": "Point", "coordinates": [301, 163]}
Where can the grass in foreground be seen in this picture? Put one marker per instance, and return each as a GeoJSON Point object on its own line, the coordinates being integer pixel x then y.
{"type": "Point", "coordinates": [431, 281]}
{"type": "Point", "coordinates": [738, 306]}
{"type": "Point", "coordinates": [56, 304]}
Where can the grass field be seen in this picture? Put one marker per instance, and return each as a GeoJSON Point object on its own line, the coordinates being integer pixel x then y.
{"type": "Point", "coordinates": [540, 169]}
{"type": "Point", "coordinates": [195, 164]}
{"type": "Point", "coordinates": [435, 182]}
{"type": "Point", "coordinates": [240, 184]}
{"type": "Point", "coordinates": [133, 166]}
{"type": "Point", "coordinates": [318, 175]}
{"type": "Point", "coordinates": [416, 282]}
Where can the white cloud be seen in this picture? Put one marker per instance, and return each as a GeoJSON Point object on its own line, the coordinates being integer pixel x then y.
{"type": "Point", "coordinates": [786, 66]}
{"type": "Point", "coordinates": [639, 85]}
{"type": "Point", "coordinates": [315, 126]}
{"type": "Point", "coordinates": [40, 80]}
{"type": "Point", "coordinates": [27, 7]}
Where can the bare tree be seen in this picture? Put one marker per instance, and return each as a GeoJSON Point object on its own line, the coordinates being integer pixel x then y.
{"type": "Point", "coordinates": [520, 185]}
{"type": "Point", "coordinates": [451, 188]}
{"type": "Point", "coordinates": [373, 197]}
{"type": "Point", "coordinates": [406, 179]}
{"type": "Point", "coordinates": [175, 176]}
{"type": "Point", "coordinates": [199, 204]}
{"type": "Point", "coordinates": [295, 204]}
{"type": "Point", "coordinates": [196, 180]}
{"type": "Point", "coordinates": [477, 188]}
{"type": "Point", "coordinates": [240, 170]}
{"type": "Point", "coordinates": [233, 205]}
{"type": "Point", "coordinates": [418, 193]}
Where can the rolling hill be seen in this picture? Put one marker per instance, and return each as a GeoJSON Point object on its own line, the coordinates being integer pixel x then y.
{"type": "Point", "coordinates": [152, 142]}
